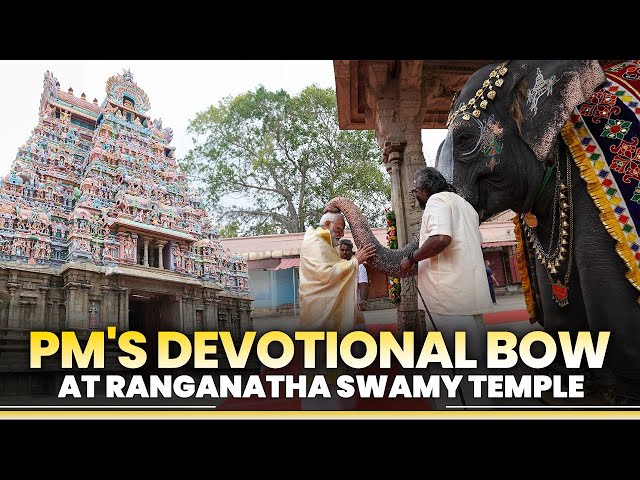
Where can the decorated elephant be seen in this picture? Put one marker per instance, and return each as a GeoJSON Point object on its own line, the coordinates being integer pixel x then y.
{"type": "Point", "coordinates": [557, 142]}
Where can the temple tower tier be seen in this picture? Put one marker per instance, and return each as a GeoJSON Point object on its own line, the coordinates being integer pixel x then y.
{"type": "Point", "coordinates": [99, 227]}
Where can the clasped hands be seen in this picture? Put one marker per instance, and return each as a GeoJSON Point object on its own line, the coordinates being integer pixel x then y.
{"type": "Point", "coordinates": [406, 266]}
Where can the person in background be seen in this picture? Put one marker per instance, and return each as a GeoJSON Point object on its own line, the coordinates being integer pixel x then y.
{"type": "Point", "coordinates": [491, 278]}
{"type": "Point", "coordinates": [346, 252]}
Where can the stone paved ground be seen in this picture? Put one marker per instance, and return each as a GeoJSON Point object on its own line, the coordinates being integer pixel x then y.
{"type": "Point", "coordinates": [513, 302]}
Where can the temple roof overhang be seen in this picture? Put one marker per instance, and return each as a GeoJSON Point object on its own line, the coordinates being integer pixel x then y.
{"type": "Point", "coordinates": [79, 103]}
{"type": "Point", "coordinates": [361, 83]}
{"type": "Point", "coordinates": [150, 230]}
{"type": "Point", "coordinates": [77, 110]}
{"type": "Point", "coordinates": [158, 274]}
{"type": "Point", "coordinates": [357, 82]}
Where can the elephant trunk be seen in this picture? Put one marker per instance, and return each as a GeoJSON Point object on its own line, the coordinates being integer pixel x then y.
{"type": "Point", "coordinates": [385, 260]}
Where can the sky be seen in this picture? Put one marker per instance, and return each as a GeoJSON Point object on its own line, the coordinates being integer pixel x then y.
{"type": "Point", "coordinates": [177, 90]}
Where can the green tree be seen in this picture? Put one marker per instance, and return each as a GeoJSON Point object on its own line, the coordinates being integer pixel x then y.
{"type": "Point", "coordinates": [270, 161]}
{"type": "Point", "coordinates": [230, 230]}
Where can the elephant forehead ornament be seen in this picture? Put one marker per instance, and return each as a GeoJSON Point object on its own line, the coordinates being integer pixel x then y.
{"type": "Point", "coordinates": [478, 101]}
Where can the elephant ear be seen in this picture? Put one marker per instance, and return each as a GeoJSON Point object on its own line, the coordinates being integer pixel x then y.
{"type": "Point", "coordinates": [545, 92]}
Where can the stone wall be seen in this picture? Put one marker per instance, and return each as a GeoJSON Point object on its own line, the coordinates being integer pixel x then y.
{"type": "Point", "coordinates": [84, 297]}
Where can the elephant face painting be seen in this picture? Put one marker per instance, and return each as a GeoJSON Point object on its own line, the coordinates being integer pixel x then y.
{"type": "Point", "coordinates": [500, 96]}
{"type": "Point", "coordinates": [557, 142]}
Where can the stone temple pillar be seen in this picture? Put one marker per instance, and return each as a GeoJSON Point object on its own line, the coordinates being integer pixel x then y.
{"type": "Point", "coordinates": [399, 109]}
{"type": "Point", "coordinates": [160, 255]}
{"type": "Point", "coordinates": [122, 308]}
{"type": "Point", "coordinates": [146, 253]}
{"type": "Point", "coordinates": [74, 304]}
{"type": "Point", "coordinates": [210, 310]}
{"type": "Point", "coordinates": [410, 318]}
{"type": "Point", "coordinates": [393, 155]}
{"type": "Point", "coordinates": [13, 320]}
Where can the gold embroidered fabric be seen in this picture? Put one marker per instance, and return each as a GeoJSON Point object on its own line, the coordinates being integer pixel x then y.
{"type": "Point", "coordinates": [328, 285]}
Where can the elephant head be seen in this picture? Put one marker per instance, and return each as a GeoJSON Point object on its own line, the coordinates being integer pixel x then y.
{"type": "Point", "coordinates": [385, 260]}
{"type": "Point", "coordinates": [508, 129]}
{"type": "Point", "coordinates": [504, 127]}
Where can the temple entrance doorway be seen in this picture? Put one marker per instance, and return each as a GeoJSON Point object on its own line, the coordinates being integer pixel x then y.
{"type": "Point", "coordinates": [146, 316]}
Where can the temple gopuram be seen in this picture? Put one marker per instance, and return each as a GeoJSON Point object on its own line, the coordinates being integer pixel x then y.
{"type": "Point", "coordinates": [98, 228]}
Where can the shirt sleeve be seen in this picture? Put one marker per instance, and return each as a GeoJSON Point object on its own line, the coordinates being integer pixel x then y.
{"type": "Point", "coordinates": [438, 216]}
{"type": "Point", "coordinates": [362, 274]}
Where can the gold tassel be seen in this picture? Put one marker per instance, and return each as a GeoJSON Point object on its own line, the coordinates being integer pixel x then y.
{"type": "Point", "coordinates": [523, 269]}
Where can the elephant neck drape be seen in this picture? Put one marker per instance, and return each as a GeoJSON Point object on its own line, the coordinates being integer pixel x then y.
{"type": "Point", "coordinates": [454, 282]}
{"type": "Point", "coordinates": [328, 285]}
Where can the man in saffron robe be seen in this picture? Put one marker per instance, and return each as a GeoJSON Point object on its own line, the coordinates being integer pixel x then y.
{"type": "Point", "coordinates": [328, 284]}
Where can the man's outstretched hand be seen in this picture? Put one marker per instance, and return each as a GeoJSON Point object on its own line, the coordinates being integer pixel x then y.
{"type": "Point", "coordinates": [365, 253]}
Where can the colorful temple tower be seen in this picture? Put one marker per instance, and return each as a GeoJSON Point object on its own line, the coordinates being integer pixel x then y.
{"type": "Point", "coordinates": [99, 227]}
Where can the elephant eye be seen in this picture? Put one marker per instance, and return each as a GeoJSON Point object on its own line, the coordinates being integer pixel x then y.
{"type": "Point", "coordinates": [466, 142]}
{"type": "Point", "coordinates": [464, 138]}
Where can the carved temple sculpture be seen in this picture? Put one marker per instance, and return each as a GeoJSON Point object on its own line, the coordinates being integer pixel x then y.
{"type": "Point", "coordinates": [99, 228]}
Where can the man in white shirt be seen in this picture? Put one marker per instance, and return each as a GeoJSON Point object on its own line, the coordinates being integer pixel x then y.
{"type": "Point", "coordinates": [346, 252]}
{"type": "Point", "coordinates": [451, 274]}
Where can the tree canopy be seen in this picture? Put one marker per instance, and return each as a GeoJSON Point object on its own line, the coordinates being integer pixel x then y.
{"type": "Point", "coordinates": [267, 162]}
